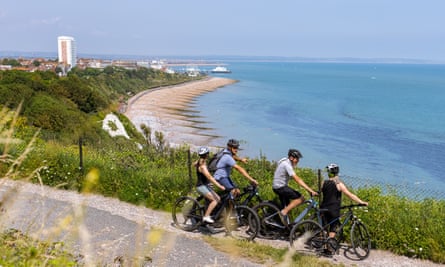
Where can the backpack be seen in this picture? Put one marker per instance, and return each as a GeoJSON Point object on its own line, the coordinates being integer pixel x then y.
{"type": "Point", "coordinates": [213, 161]}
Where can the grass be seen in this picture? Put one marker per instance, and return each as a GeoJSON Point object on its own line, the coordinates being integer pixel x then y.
{"type": "Point", "coordinates": [265, 255]}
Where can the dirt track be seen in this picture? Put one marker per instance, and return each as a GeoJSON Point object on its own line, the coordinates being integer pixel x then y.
{"type": "Point", "coordinates": [106, 230]}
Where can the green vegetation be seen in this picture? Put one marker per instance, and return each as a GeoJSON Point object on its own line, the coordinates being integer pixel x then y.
{"type": "Point", "coordinates": [18, 249]}
{"type": "Point", "coordinates": [147, 172]}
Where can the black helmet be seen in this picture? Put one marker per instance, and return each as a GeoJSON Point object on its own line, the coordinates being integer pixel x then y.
{"type": "Point", "coordinates": [294, 153]}
{"type": "Point", "coordinates": [333, 168]}
{"type": "Point", "coordinates": [203, 151]}
{"type": "Point", "coordinates": [233, 143]}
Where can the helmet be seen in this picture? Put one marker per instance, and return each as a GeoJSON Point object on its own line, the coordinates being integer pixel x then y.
{"type": "Point", "coordinates": [203, 150]}
{"type": "Point", "coordinates": [233, 143]}
{"type": "Point", "coordinates": [333, 168]}
{"type": "Point", "coordinates": [294, 153]}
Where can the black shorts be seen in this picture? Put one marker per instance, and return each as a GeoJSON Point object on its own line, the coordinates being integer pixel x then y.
{"type": "Point", "coordinates": [331, 217]}
{"type": "Point", "coordinates": [286, 195]}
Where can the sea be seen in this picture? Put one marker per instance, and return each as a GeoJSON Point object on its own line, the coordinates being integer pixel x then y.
{"type": "Point", "coordinates": [384, 123]}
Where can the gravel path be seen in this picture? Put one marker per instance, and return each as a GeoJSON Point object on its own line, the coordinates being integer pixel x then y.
{"type": "Point", "coordinates": [106, 231]}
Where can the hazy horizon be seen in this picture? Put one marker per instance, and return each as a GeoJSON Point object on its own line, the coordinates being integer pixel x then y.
{"type": "Point", "coordinates": [345, 29]}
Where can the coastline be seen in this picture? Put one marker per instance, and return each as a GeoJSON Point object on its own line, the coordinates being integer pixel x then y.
{"type": "Point", "coordinates": [170, 110]}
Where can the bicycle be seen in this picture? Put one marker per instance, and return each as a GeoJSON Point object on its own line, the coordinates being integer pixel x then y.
{"type": "Point", "coordinates": [317, 238]}
{"type": "Point", "coordinates": [238, 220]}
{"type": "Point", "coordinates": [271, 223]}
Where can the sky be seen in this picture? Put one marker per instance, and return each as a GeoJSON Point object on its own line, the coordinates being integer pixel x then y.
{"type": "Point", "coordinates": [408, 29]}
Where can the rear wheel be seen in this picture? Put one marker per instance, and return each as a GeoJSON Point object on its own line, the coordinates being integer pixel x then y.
{"type": "Point", "coordinates": [187, 213]}
{"type": "Point", "coordinates": [307, 234]}
{"type": "Point", "coordinates": [243, 223]}
{"type": "Point", "coordinates": [360, 240]}
{"type": "Point", "coordinates": [270, 221]}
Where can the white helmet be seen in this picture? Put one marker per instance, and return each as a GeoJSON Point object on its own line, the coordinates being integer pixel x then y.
{"type": "Point", "coordinates": [333, 168]}
{"type": "Point", "coordinates": [203, 150]}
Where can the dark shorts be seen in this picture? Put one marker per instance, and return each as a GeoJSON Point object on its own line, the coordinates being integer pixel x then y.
{"type": "Point", "coordinates": [287, 194]}
{"type": "Point", "coordinates": [227, 183]}
{"type": "Point", "coordinates": [331, 217]}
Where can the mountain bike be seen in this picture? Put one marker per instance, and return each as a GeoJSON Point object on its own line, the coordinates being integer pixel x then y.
{"type": "Point", "coordinates": [239, 221]}
{"type": "Point", "coordinates": [272, 225]}
{"type": "Point", "coordinates": [317, 239]}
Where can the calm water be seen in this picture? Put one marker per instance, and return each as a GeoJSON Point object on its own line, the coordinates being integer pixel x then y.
{"type": "Point", "coordinates": [380, 121]}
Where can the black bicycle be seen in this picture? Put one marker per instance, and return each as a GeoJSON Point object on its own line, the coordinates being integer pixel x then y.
{"type": "Point", "coordinates": [238, 220]}
{"type": "Point", "coordinates": [317, 238]}
{"type": "Point", "coordinates": [272, 225]}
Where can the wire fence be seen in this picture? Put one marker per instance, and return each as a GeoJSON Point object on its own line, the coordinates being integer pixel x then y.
{"type": "Point", "coordinates": [411, 191]}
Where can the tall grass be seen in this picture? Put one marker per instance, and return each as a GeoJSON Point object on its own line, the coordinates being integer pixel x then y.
{"type": "Point", "coordinates": [17, 248]}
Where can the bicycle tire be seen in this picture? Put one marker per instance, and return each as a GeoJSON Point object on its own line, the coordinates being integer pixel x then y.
{"type": "Point", "coordinates": [187, 213]}
{"type": "Point", "coordinates": [360, 240]}
{"type": "Point", "coordinates": [270, 221]}
{"type": "Point", "coordinates": [243, 224]}
{"type": "Point", "coordinates": [307, 234]}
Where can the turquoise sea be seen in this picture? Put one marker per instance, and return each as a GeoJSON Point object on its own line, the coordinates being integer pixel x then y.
{"type": "Point", "coordinates": [384, 122]}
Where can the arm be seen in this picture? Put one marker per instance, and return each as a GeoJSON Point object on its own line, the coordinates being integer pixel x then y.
{"type": "Point", "coordinates": [245, 174]}
{"type": "Point", "coordinates": [341, 187]}
{"type": "Point", "coordinates": [304, 185]}
{"type": "Point", "coordinates": [243, 160]}
{"type": "Point", "coordinates": [203, 169]}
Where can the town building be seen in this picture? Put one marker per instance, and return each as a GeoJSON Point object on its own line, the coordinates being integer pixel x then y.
{"type": "Point", "coordinates": [67, 51]}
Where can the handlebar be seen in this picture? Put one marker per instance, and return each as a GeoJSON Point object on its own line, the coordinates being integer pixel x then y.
{"type": "Point", "coordinates": [352, 206]}
{"type": "Point", "coordinates": [250, 188]}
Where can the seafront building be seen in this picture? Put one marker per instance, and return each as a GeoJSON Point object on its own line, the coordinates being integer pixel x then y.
{"type": "Point", "coordinates": [67, 51]}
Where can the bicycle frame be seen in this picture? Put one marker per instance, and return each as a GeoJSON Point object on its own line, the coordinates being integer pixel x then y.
{"type": "Point", "coordinates": [251, 192]}
{"type": "Point", "coordinates": [348, 217]}
{"type": "Point", "coordinates": [311, 205]}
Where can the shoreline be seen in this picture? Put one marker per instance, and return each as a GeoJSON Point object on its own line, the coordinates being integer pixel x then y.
{"type": "Point", "coordinates": [170, 110]}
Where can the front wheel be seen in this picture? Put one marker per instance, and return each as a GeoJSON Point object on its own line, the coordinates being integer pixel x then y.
{"type": "Point", "coordinates": [307, 234]}
{"type": "Point", "coordinates": [243, 223]}
{"type": "Point", "coordinates": [187, 213]}
{"type": "Point", "coordinates": [270, 221]}
{"type": "Point", "coordinates": [360, 240]}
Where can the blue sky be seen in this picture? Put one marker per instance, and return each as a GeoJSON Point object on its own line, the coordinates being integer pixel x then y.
{"type": "Point", "coordinates": [291, 28]}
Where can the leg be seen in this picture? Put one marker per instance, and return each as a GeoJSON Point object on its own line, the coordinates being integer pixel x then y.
{"type": "Point", "coordinates": [294, 203]}
{"type": "Point", "coordinates": [214, 199]}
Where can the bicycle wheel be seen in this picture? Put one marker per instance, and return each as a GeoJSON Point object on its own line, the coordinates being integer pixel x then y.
{"type": "Point", "coordinates": [187, 213]}
{"type": "Point", "coordinates": [360, 240]}
{"type": "Point", "coordinates": [270, 221]}
{"type": "Point", "coordinates": [307, 234]}
{"type": "Point", "coordinates": [243, 223]}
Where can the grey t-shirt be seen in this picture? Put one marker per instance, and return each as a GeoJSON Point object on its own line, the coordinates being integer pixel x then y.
{"type": "Point", "coordinates": [283, 173]}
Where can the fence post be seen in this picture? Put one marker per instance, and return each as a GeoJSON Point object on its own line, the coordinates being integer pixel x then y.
{"type": "Point", "coordinates": [189, 162]}
{"type": "Point", "coordinates": [319, 185]}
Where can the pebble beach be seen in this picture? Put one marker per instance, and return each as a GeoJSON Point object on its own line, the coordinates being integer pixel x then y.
{"type": "Point", "coordinates": [170, 110]}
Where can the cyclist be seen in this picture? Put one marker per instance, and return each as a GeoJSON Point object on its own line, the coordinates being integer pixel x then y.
{"type": "Point", "coordinates": [289, 197]}
{"type": "Point", "coordinates": [332, 190]}
{"type": "Point", "coordinates": [203, 185]}
{"type": "Point", "coordinates": [225, 166]}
